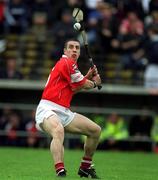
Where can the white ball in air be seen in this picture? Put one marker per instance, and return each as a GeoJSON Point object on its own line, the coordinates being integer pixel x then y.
{"type": "Point", "coordinates": [77, 26]}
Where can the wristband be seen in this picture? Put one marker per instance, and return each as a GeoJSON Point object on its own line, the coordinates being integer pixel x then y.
{"type": "Point", "coordinates": [95, 85]}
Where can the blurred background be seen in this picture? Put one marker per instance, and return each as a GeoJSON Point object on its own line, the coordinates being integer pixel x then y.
{"type": "Point", "coordinates": [123, 38]}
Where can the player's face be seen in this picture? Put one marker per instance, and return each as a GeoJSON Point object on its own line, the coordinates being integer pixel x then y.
{"type": "Point", "coordinates": [72, 50]}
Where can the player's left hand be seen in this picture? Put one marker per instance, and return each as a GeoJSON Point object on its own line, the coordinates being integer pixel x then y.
{"type": "Point", "coordinates": [91, 73]}
{"type": "Point", "coordinates": [97, 79]}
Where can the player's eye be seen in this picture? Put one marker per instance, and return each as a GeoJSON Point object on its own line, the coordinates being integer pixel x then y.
{"type": "Point", "coordinates": [71, 46]}
{"type": "Point", "coordinates": [77, 47]}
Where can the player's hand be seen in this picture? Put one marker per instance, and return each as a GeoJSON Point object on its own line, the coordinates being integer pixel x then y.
{"type": "Point", "coordinates": [95, 70]}
{"type": "Point", "coordinates": [91, 72]}
{"type": "Point", "coordinates": [97, 79]}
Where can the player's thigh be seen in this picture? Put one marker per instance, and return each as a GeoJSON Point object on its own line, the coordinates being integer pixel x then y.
{"type": "Point", "coordinates": [82, 125]}
{"type": "Point", "coordinates": [52, 125]}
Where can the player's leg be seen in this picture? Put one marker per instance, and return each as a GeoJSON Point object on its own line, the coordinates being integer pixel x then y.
{"type": "Point", "coordinates": [82, 125]}
{"type": "Point", "coordinates": [55, 129]}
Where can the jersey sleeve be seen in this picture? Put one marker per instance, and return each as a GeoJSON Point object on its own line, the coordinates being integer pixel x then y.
{"type": "Point", "coordinates": [72, 74]}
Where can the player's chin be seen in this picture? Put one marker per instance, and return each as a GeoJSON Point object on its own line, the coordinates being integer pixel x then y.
{"type": "Point", "coordinates": [74, 56]}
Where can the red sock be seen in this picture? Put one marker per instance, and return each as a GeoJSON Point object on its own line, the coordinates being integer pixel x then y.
{"type": "Point", "coordinates": [86, 162]}
{"type": "Point", "coordinates": [59, 167]}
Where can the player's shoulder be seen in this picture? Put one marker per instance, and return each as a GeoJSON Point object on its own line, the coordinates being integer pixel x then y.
{"type": "Point", "coordinates": [64, 60]}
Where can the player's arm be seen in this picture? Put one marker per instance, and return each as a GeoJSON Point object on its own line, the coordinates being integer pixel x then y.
{"type": "Point", "coordinates": [93, 83]}
{"type": "Point", "coordinates": [89, 84]}
{"type": "Point", "coordinates": [78, 81]}
{"type": "Point", "coordinates": [92, 80]}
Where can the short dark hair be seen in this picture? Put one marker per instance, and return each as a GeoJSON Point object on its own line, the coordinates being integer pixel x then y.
{"type": "Point", "coordinates": [66, 42]}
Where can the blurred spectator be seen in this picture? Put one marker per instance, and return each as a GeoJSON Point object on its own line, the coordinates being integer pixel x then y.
{"type": "Point", "coordinates": [92, 4]}
{"type": "Point", "coordinates": [115, 133]}
{"type": "Point", "coordinates": [42, 7]}
{"type": "Point", "coordinates": [62, 31]}
{"type": "Point", "coordinates": [114, 2]}
{"type": "Point", "coordinates": [2, 26]}
{"type": "Point", "coordinates": [151, 51]}
{"type": "Point", "coordinates": [12, 127]}
{"type": "Point", "coordinates": [130, 41]}
{"type": "Point", "coordinates": [99, 119]}
{"type": "Point", "coordinates": [92, 8]}
{"type": "Point", "coordinates": [154, 134]}
{"type": "Point", "coordinates": [101, 22]}
{"type": "Point", "coordinates": [140, 130]}
{"type": "Point", "coordinates": [39, 24]}
{"type": "Point", "coordinates": [145, 6]}
{"type": "Point", "coordinates": [16, 17]}
{"type": "Point", "coordinates": [119, 9]}
{"type": "Point", "coordinates": [151, 19]}
{"type": "Point", "coordinates": [2, 46]}
{"type": "Point", "coordinates": [56, 11]}
{"type": "Point", "coordinates": [61, 6]}
{"type": "Point", "coordinates": [2, 16]}
{"type": "Point", "coordinates": [135, 6]}
{"type": "Point", "coordinates": [92, 23]}
{"type": "Point", "coordinates": [108, 27]}
{"type": "Point", "coordinates": [32, 140]}
{"type": "Point", "coordinates": [10, 71]}
{"type": "Point", "coordinates": [4, 115]}
{"type": "Point", "coordinates": [70, 4]}
{"type": "Point", "coordinates": [153, 5]}
{"type": "Point", "coordinates": [4, 118]}
{"type": "Point", "coordinates": [131, 24]}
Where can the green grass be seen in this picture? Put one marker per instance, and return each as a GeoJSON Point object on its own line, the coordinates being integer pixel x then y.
{"type": "Point", "coordinates": [36, 164]}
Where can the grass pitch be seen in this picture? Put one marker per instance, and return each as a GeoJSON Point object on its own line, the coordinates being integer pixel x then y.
{"type": "Point", "coordinates": [36, 164]}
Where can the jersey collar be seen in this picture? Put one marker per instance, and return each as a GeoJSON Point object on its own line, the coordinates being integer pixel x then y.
{"type": "Point", "coordinates": [64, 56]}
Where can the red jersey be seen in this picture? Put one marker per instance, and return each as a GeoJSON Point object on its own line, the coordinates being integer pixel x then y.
{"type": "Point", "coordinates": [63, 78]}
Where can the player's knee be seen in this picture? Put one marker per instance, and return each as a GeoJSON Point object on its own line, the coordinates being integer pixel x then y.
{"type": "Point", "coordinates": [96, 131]}
{"type": "Point", "coordinates": [58, 132]}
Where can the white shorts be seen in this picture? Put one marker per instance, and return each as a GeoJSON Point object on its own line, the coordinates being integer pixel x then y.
{"type": "Point", "coordinates": [47, 108]}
